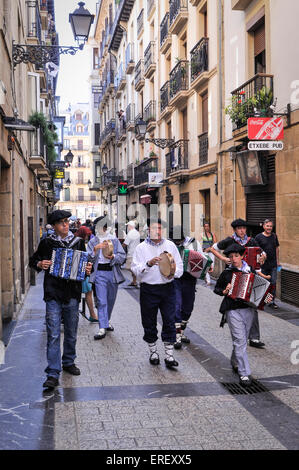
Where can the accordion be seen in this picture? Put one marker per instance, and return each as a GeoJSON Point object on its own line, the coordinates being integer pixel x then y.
{"type": "Point", "coordinates": [195, 263]}
{"type": "Point", "coordinates": [252, 256]}
{"type": "Point", "coordinates": [252, 288]}
{"type": "Point", "coordinates": [69, 264]}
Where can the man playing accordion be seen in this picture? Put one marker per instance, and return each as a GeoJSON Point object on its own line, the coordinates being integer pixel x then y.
{"type": "Point", "coordinates": [62, 297]}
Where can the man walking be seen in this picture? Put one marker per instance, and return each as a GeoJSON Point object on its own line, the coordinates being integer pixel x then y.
{"type": "Point", "coordinates": [62, 297]}
{"type": "Point", "coordinates": [157, 291]}
{"type": "Point", "coordinates": [268, 241]}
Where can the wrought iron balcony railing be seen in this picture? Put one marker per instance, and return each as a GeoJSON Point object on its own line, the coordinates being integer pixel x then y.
{"type": "Point", "coordinates": [164, 27]}
{"type": "Point", "coordinates": [199, 58]}
{"type": "Point", "coordinates": [34, 28]}
{"type": "Point", "coordinates": [130, 174]}
{"type": "Point", "coordinates": [143, 169]}
{"type": "Point", "coordinates": [177, 159]}
{"type": "Point", "coordinates": [110, 177]}
{"type": "Point", "coordinates": [140, 22]}
{"type": "Point", "coordinates": [149, 56]}
{"type": "Point", "coordinates": [203, 141]}
{"type": "Point", "coordinates": [164, 96]}
{"type": "Point", "coordinates": [130, 114]}
{"type": "Point", "coordinates": [139, 73]}
{"type": "Point", "coordinates": [179, 78]}
{"type": "Point", "coordinates": [256, 93]}
{"type": "Point", "coordinates": [150, 112]}
{"type": "Point", "coordinates": [176, 7]}
{"type": "Point", "coordinates": [129, 54]}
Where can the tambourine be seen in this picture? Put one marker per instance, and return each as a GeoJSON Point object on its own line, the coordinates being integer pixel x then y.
{"type": "Point", "coordinates": [108, 248]}
{"type": "Point", "coordinates": [167, 265]}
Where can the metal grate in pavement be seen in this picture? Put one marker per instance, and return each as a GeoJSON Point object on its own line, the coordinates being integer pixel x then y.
{"type": "Point", "coordinates": [237, 389]}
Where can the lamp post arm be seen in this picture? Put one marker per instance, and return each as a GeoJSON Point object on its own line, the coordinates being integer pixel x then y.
{"type": "Point", "coordinates": [39, 54]}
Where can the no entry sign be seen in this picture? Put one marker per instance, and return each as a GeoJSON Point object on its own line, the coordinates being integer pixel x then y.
{"type": "Point", "coordinates": [265, 128]}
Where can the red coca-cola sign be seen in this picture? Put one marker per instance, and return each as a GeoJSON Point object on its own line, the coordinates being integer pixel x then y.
{"type": "Point", "coordinates": [265, 128]}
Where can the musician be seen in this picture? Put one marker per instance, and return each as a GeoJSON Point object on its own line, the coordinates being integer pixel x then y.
{"type": "Point", "coordinates": [184, 287]}
{"type": "Point", "coordinates": [236, 313]}
{"type": "Point", "coordinates": [240, 236]}
{"type": "Point", "coordinates": [107, 274]}
{"type": "Point", "coordinates": [157, 291]}
{"type": "Point", "coordinates": [62, 298]}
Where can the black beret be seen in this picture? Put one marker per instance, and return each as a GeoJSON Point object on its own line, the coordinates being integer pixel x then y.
{"type": "Point", "coordinates": [234, 248]}
{"type": "Point", "coordinates": [58, 215]}
{"type": "Point", "coordinates": [239, 223]}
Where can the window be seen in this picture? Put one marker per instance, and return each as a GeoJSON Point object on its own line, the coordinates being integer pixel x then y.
{"type": "Point", "coordinates": [67, 194]}
{"type": "Point", "coordinates": [80, 160]}
{"type": "Point", "coordinates": [97, 129]}
{"type": "Point", "coordinates": [96, 61]}
{"type": "Point", "coordinates": [80, 177]}
{"type": "Point", "coordinates": [78, 116]}
{"type": "Point", "coordinates": [66, 144]}
{"type": "Point", "coordinates": [80, 194]}
{"type": "Point", "coordinates": [96, 100]}
{"type": "Point", "coordinates": [97, 171]}
{"type": "Point", "coordinates": [79, 129]}
{"type": "Point", "coordinates": [80, 144]}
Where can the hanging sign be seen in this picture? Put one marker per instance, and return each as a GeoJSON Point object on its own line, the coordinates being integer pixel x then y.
{"type": "Point", "coordinates": [265, 128]}
{"type": "Point", "coordinates": [59, 174]}
{"type": "Point", "coordinates": [264, 146]}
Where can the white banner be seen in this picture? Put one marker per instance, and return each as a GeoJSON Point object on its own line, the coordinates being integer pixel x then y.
{"type": "Point", "coordinates": [265, 145]}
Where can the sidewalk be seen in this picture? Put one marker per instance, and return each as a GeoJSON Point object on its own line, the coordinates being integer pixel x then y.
{"type": "Point", "coordinates": [120, 401]}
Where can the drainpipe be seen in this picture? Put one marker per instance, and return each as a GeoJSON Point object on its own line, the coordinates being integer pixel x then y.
{"type": "Point", "coordinates": [13, 225]}
{"type": "Point", "coordinates": [220, 71]}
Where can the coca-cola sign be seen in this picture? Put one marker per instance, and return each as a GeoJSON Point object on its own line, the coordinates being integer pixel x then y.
{"type": "Point", "coordinates": [265, 128]}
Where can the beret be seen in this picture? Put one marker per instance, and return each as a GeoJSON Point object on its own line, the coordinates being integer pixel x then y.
{"type": "Point", "coordinates": [58, 215]}
{"type": "Point", "coordinates": [234, 248]}
{"type": "Point", "coordinates": [239, 223]}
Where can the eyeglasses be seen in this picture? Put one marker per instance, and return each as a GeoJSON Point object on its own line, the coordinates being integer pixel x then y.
{"type": "Point", "coordinates": [62, 222]}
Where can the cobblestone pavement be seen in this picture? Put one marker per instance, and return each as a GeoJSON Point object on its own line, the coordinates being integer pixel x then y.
{"type": "Point", "coordinates": [120, 401]}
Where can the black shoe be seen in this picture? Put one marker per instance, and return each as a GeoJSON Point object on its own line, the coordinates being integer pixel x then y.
{"type": "Point", "coordinates": [171, 364]}
{"type": "Point", "coordinates": [177, 345]}
{"type": "Point", "coordinates": [185, 339]}
{"type": "Point", "coordinates": [274, 305]}
{"type": "Point", "coordinates": [96, 337]}
{"type": "Point", "coordinates": [235, 369]}
{"type": "Point", "coordinates": [73, 369]}
{"type": "Point", "coordinates": [154, 361]}
{"type": "Point", "coordinates": [245, 380]}
{"type": "Point", "coordinates": [256, 344]}
{"type": "Point", "coordinates": [110, 328]}
{"type": "Point", "coordinates": [51, 382]}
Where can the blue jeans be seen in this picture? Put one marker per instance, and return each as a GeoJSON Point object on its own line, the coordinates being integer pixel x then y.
{"type": "Point", "coordinates": [56, 310]}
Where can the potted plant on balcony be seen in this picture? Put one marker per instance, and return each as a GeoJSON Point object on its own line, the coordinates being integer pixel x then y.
{"type": "Point", "coordinates": [238, 110]}
{"type": "Point", "coordinates": [262, 101]}
{"type": "Point", "coordinates": [39, 120]}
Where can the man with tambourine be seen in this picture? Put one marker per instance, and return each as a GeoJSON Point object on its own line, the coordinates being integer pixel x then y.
{"type": "Point", "coordinates": [156, 262]}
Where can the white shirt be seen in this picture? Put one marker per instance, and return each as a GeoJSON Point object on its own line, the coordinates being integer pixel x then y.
{"type": "Point", "coordinates": [132, 240]}
{"type": "Point", "coordinates": [144, 252]}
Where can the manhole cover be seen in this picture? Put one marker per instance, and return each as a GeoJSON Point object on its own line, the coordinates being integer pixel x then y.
{"type": "Point", "coordinates": [237, 389]}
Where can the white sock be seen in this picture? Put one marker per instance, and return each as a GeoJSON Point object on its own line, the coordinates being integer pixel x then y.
{"type": "Point", "coordinates": [169, 351]}
{"type": "Point", "coordinates": [153, 350]}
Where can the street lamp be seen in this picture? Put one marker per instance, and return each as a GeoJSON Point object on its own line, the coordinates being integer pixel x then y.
{"type": "Point", "coordinates": [140, 130]}
{"type": "Point", "coordinates": [104, 169]}
{"type": "Point", "coordinates": [89, 183]}
{"type": "Point", "coordinates": [69, 157]}
{"type": "Point", "coordinates": [68, 182]}
{"type": "Point", "coordinates": [40, 54]}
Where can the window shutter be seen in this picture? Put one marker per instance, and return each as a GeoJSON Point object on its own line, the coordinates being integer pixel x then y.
{"type": "Point", "coordinates": [259, 40]}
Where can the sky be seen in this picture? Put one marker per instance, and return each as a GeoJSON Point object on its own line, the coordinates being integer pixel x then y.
{"type": "Point", "coordinates": [74, 71]}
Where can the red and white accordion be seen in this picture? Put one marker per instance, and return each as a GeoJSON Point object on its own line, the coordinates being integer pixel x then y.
{"type": "Point", "coordinates": [252, 256]}
{"type": "Point", "coordinates": [197, 264]}
{"type": "Point", "coordinates": [252, 288]}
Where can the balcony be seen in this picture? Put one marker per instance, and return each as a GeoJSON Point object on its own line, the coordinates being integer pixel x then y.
{"type": "Point", "coordinates": [199, 63]}
{"type": "Point", "coordinates": [130, 63]}
{"type": "Point", "coordinates": [123, 12]}
{"type": "Point", "coordinates": [137, 119]}
{"type": "Point", "coordinates": [121, 77]}
{"type": "Point", "coordinates": [179, 83]}
{"type": "Point", "coordinates": [203, 141]}
{"type": "Point", "coordinates": [110, 178]}
{"type": "Point", "coordinates": [34, 27]}
{"type": "Point", "coordinates": [139, 75]}
{"type": "Point", "coordinates": [141, 171]}
{"type": "Point", "coordinates": [79, 198]}
{"type": "Point", "coordinates": [130, 117]}
{"type": "Point", "coordinates": [258, 89]}
{"type": "Point", "coordinates": [165, 109]}
{"type": "Point", "coordinates": [81, 165]}
{"type": "Point", "coordinates": [108, 133]}
{"type": "Point", "coordinates": [178, 15]}
{"type": "Point", "coordinates": [194, 3]}
{"type": "Point", "coordinates": [177, 159]}
{"type": "Point", "coordinates": [120, 132]}
{"type": "Point", "coordinates": [81, 181]}
{"type": "Point", "coordinates": [140, 23]}
{"type": "Point", "coordinates": [149, 60]}
{"type": "Point", "coordinates": [109, 83]}
{"type": "Point", "coordinates": [37, 159]}
{"type": "Point", "coordinates": [149, 115]}
{"type": "Point", "coordinates": [165, 36]}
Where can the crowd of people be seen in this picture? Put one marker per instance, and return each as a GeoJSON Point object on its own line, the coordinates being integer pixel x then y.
{"type": "Point", "coordinates": [170, 291]}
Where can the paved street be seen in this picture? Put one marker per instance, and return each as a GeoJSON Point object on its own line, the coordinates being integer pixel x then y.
{"type": "Point", "coordinates": [120, 401]}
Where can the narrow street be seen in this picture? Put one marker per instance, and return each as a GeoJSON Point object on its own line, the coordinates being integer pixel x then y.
{"type": "Point", "coordinates": [120, 401]}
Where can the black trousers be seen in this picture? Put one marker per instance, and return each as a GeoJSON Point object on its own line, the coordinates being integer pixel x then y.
{"type": "Point", "coordinates": [153, 298]}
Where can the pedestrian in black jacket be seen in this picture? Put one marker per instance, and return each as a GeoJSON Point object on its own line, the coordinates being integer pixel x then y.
{"type": "Point", "coordinates": [62, 298]}
{"type": "Point", "coordinates": [240, 236]}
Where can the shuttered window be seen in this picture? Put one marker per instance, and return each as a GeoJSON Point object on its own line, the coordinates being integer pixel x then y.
{"type": "Point", "coordinates": [259, 40]}
{"type": "Point", "coordinates": [260, 206]}
{"type": "Point", "coordinates": [289, 287]}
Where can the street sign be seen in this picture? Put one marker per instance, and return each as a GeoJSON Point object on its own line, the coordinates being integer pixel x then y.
{"type": "Point", "coordinates": [265, 145]}
{"type": "Point", "coordinates": [265, 128]}
{"type": "Point", "coordinates": [122, 188]}
{"type": "Point", "coordinates": [59, 174]}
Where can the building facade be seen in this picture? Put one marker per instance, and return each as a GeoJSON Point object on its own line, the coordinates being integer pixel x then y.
{"type": "Point", "coordinates": [195, 71]}
{"type": "Point", "coordinates": [76, 195]}
{"type": "Point", "coordinates": [25, 182]}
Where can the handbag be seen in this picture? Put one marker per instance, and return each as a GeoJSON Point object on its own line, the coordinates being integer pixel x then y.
{"type": "Point", "coordinates": [86, 285]}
